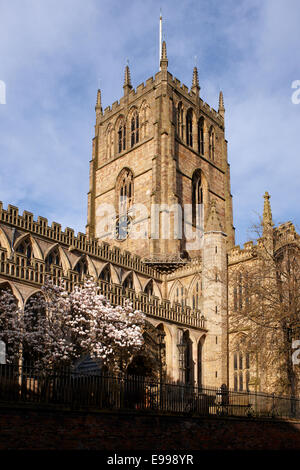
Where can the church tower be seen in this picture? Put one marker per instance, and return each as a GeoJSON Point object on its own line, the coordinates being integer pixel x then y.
{"type": "Point", "coordinates": [157, 149]}
{"type": "Point", "coordinates": [160, 189]}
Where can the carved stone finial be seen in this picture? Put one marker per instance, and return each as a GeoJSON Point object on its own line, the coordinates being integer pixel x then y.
{"type": "Point", "coordinates": [164, 51]}
{"type": "Point", "coordinates": [267, 214]}
{"type": "Point", "coordinates": [164, 58]}
{"type": "Point", "coordinates": [98, 107]}
{"type": "Point", "coordinates": [195, 84]}
{"type": "Point", "coordinates": [221, 109]}
{"type": "Point", "coordinates": [127, 79]}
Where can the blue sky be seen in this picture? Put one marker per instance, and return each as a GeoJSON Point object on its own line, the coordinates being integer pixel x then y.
{"type": "Point", "coordinates": [54, 54]}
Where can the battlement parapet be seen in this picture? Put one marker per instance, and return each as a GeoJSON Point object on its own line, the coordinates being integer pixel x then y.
{"type": "Point", "coordinates": [248, 245]}
{"type": "Point", "coordinates": [214, 113]}
{"type": "Point", "coordinates": [184, 90]}
{"type": "Point", "coordinates": [285, 234]}
{"type": "Point", "coordinates": [286, 228]}
{"type": "Point", "coordinates": [134, 94]}
{"type": "Point", "coordinates": [80, 242]}
{"type": "Point", "coordinates": [181, 87]}
{"type": "Point", "coordinates": [194, 266]}
{"type": "Point", "coordinates": [115, 105]}
{"type": "Point", "coordinates": [150, 83]}
{"type": "Point", "coordinates": [140, 88]}
{"type": "Point", "coordinates": [17, 270]}
{"type": "Point", "coordinates": [238, 254]}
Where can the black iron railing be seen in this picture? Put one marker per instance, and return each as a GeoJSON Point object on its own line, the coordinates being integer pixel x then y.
{"type": "Point", "coordinates": [76, 390]}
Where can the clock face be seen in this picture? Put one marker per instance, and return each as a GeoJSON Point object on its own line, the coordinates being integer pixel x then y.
{"type": "Point", "coordinates": [123, 226]}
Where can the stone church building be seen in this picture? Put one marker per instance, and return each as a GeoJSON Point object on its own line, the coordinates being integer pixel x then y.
{"type": "Point", "coordinates": [160, 146]}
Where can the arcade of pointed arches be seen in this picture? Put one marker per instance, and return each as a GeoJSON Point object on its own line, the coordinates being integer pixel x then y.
{"type": "Point", "coordinates": [54, 257]}
{"type": "Point", "coordinates": [171, 343]}
{"type": "Point", "coordinates": [127, 131]}
{"type": "Point", "coordinates": [195, 132]}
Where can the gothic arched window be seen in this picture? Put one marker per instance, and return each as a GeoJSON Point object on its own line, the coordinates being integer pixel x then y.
{"type": "Point", "coordinates": [128, 282]}
{"type": "Point", "coordinates": [197, 197]}
{"type": "Point", "coordinates": [122, 137]}
{"type": "Point", "coordinates": [185, 357]}
{"type": "Point", "coordinates": [212, 143]}
{"type": "Point", "coordinates": [241, 368]}
{"type": "Point", "coordinates": [201, 136]}
{"type": "Point", "coordinates": [241, 360]}
{"type": "Point", "coordinates": [124, 201]}
{"type": "Point", "coordinates": [82, 267]}
{"type": "Point", "coordinates": [125, 190]}
{"type": "Point", "coordinates": [105, 274]}
{"type": "Point", "coordinates": [144, 120]}
{"type": "Point", "coordinates": [180, 121]}
{"type": "Point", "coordinates": [149, 289]}
{"type": "Point", "coordinates": [241, 387]}
{"type": "Point", "coordinates": [134, 129]}
{"type": "Point", "coordinates": [189, 128]}
{"type": "Point", "coordinates": [235, 361]}
{"type": "Point", "coordinates": [247, 380]}
{"type": "Point", "coordinates": [25, 248]}
{"type": "Point", "coordinates": [53, 258]}
{"type": "Point", "coordinates": [179, 295]}
{"type": "Point", "coordinates": [235, 384]}
{"type": "Point", "coordinates": [247, 364]}
{"type": "Point", "coordinates": [196, 296]}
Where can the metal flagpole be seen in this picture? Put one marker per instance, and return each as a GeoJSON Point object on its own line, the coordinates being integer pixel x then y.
{"type": "Point", "coordinates": [160, 36]}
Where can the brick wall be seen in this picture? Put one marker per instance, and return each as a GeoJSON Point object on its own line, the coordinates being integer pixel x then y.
{"type": "Point", "coordinates": [47, 429]}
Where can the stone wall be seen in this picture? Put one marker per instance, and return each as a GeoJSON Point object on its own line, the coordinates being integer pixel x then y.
{"type": "Point", "coordinates": [51, 429]}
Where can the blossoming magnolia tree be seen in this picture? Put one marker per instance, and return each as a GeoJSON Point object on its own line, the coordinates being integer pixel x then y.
{"type": "Point", "coordinates": [58, 327]}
